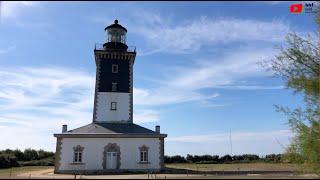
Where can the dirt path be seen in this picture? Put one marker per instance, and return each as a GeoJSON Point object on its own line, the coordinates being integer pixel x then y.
{"type": "Point", "coordinates": [48, 174]}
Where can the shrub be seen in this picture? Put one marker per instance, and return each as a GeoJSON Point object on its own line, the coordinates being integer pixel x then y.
{"type": "Point", "coordinates": [30, 154]}
{"type": "Point", "coordinates": [175, 159]}
{"type": "Point", "coordinates": [37, 163]}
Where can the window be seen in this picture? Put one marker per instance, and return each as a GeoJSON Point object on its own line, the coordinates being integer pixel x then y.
{"type": "Point", "coordinates": [113, 106]}
{"type": "Point", "coordinates": [114, 86]}
{"type": "Point", "coordinates": [77, 154]}
{"type": "Point", "coordinates": [114, 68]}
{"type": "Point", "coordinates": [144, 154]}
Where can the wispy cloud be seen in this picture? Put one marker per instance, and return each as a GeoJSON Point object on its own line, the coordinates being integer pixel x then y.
{"type": "Point", "coordinates": [7, 50]}
{"type": "Point", "coordinates": [185, 83]}
{"type": "Point", "coordinates": [251, 87]}
{"type": "Point", "coordinates": [12, 9]}
{"type": "Point", "coordinates": [38, 100]}
{"type": "Point", "coordinates": [17, 13]}
{"type": "Point", "coordinates": [162, 33]}
{"type": "Point", "coordinates": [191, 35]}
{"type": "Point", "coordinates": [260, 143]}
{"type": "Point", "coordinates": [236, 136]}
{"type": "Point", "coordinates": [146, 116]}
{"type": "Point", "coordinates": [168, 95]}
{"type": "Point", "coordinates": [275, 2]}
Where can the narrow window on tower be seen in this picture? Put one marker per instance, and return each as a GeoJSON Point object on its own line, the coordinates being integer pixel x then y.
{"type": "Point", "coordinates": [113, 106]}
{"type": "Point", "coordinates": [114, 86]}
{"type": "Point", "coordinates": [114, 68]}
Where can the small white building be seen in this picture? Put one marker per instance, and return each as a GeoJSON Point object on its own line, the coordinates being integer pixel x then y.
{"type": "Point", "coordinates": [112, 142]}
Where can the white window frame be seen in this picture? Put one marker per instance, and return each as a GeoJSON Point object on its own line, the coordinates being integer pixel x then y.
{"type": "Point", "coordinates": [144, 156]}
{"type": "Point", "coordinates": [113, 108]}
{"type": "Point", "coordinates": [78, 154]}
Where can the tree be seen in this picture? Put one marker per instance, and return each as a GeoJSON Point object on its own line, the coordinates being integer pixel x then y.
{"type": "Point", "coordinates": [44, 154]}
{"type": "Point", "coordinates": [19, 155]}
{"type": "Point", "coordinates": [30, 154]}
{"type": "Point", "coordinates": [226, 159]}
{"type": "Point", "coordinates": [298, 63]}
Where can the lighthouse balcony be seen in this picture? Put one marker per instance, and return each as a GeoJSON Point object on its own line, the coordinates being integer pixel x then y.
{"type": "Point", "coordinates": [114, 46]}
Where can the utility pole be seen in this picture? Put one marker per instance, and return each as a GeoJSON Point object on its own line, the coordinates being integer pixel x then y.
{"type": "Point", "coordinates": [230, 142]}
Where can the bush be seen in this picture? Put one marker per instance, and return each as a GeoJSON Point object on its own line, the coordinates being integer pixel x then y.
{"type": "Point", "coordinates": [226, 159]}
{"type": "Point", "coordinates": [19, 155]}
{"type": "Point", "coordinates": [37, 163]}
{"type": "Point", "coordinates": [44, 154]}
{"type": "Point", "coordinates": [30, 157]}
{"type": "Point", "coordinates": [30, 154]}
{"type": "Point", "coordinates": [214, 159]}
{"type": "Point", "coordinates": [275, 158]}
{"type": "Point", "coordinates": [7, 160]}
{"type": "Point", "coordinates": [207, 162]}
{"type": "Point", "coordinates": [175, 159]}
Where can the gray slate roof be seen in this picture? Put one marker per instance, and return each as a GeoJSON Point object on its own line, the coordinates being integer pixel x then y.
{"type": "Point", "coordinates": [111, 128]}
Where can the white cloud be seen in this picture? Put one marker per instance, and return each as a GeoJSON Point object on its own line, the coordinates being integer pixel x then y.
{"type": "Point", "coordinates": [163, 33]}
{"type": "Point", "coordinates": [7, 50]}
{"type": "Point", "coordinates": [168, 95]}
{"type": "Point", "coordinates": [236, 136]}
{"type": "Point", "coordinates": [250, 142]}
{"type": "Point", "coordinates": [17, 13]}
{"type": "Point", "coordinates": [25, 88]}
{"type": "Point", "coordinates": [146, 116]}
{"type": "Point", "coordinates": [251, 87]}
{"type": "Point", "coordinates": [225, 71]}
{"type": "Point", "coordinates": [184, 83]}
{"type": "Point", "coordinates": [36, 101]}
{"type": "Point", "coordinates": [274, 2]}
{"type": "Point", "coordinates": [11, 9]}
{"type": "Point", "coordinates": [191, 36]}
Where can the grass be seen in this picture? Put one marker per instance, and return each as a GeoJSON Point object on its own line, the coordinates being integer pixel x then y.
{"type": "Point", "coordinates": [18, 170]}
{"type": "Point", "coordinates": [236, 167]}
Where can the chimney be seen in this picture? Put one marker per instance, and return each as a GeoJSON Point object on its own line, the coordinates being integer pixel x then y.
{"type": "Point", "coordinates": [158, 129]}
{"type": "Point", "coordinates": [64, 128]}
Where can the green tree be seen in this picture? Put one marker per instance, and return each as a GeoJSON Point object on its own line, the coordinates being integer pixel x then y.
{"type": "Point", "coordinates": [44, 154]}
{"type": "Point", "coordinates": [19, 155]}
{"type": "Point", "coordinates": [298, 63]}
{"type": "Point", "coordinates": [30, 154]}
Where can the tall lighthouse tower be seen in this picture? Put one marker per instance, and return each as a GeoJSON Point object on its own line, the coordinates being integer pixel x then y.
{"type": "Point", "coordinates": [114, 81]}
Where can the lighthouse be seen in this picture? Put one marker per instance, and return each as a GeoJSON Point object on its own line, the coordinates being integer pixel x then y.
{"type": "Point", "coordinates": [114, 77]}
{"type": "Point", "coordinates": [111, 142]}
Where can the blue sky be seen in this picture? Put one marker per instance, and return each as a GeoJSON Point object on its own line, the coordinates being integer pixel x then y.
{"type": "Point", "coordinates": [195, 74]}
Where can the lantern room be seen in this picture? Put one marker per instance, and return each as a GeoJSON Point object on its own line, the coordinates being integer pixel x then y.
{"type": "Point", "coordinates": [116, 37]}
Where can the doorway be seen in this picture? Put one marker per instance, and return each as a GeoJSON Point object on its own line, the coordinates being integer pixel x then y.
{"type": "Point", "coordinates": [111, 160]}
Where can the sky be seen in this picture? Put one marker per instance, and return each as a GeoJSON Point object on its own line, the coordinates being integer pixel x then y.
{"type": "Point", "coordinates": [196, 73]}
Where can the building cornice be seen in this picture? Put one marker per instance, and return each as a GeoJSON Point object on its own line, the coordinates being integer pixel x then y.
{"type": "Point", "coordinates": [102, 135]}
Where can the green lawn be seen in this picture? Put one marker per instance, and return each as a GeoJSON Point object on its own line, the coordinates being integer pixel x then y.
{"type": "Point", "coordinates": [18, 170]}
{"type": "Point", "coordinates": [236, 167]}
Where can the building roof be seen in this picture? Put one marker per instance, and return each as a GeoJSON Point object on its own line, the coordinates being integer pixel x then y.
{"type": "Point", "coordinates": [111, 130]}
{"type": "Point", "coordinates": [116, 25]}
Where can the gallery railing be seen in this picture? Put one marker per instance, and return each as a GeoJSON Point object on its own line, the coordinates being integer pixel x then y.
{"type": "Point", "coordinates": [99, 46]}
